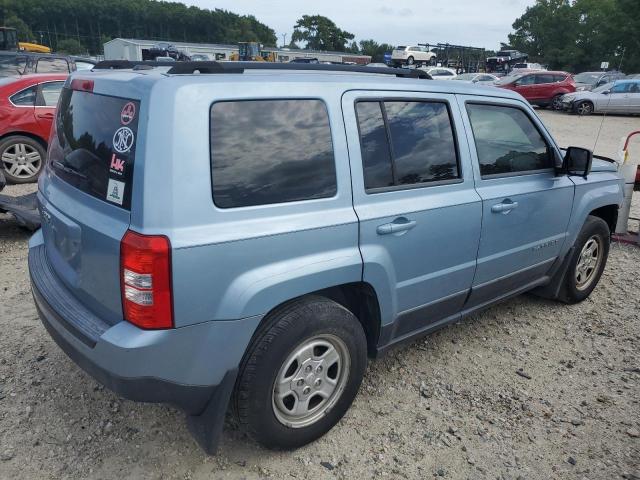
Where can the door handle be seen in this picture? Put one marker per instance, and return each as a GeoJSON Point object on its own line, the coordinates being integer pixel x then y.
{"type": "Point", "coordinates": [504, 207]}
{"type": "Point", "coordinates": [400, 225]}
{"type": "Point", "coordinates": [45, 115]}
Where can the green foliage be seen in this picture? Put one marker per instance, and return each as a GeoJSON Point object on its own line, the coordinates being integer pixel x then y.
{"type": "Point", "coordinates": [320, 33]}
{"type": "Point", "coordinates": [578, 35]}
{"type": "Point", "coordinates": [94, 20]}
{"type": "Point", "coordinates": [70, 46]}
{"type": "Point", "coordinates": [374, 49]}
{"type": "Point", "coordinates": [22, 29]}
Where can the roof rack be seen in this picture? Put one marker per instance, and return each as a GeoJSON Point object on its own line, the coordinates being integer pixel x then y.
{"type": "Point", "coordinates": [239, 67]}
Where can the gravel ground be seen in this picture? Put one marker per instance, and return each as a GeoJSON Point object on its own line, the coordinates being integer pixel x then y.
{"type": "Point", "coordinates": [529, 389]}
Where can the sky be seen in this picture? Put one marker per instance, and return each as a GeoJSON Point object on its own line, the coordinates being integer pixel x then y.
{"type": "Point", "coordinates": [478, 23]}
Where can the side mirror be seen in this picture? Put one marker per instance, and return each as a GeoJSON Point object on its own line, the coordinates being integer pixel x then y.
{"type": "Point", "coordinates": [606, 92]}
{"type": "Point", "coordinates": [577, 161]}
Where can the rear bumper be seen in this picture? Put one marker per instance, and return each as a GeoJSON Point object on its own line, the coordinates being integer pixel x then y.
{"type": "Point", "coordinates": [184, 367]}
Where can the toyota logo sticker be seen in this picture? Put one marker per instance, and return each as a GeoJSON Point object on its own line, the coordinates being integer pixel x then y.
{"type": "Point", "coordinates": [123, 140]}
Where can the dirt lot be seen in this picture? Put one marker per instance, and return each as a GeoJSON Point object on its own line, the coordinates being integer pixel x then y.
{"type": "Point", "coordinates": [451, 405]}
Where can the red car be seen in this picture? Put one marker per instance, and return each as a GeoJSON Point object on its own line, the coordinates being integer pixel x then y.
{"type": "Point", "coordinates": [540, 88]}
{"type": "Point", "coordinates": [27, 107]}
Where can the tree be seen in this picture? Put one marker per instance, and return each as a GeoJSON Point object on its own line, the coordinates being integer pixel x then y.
{"type": "Point", "coordinates": [70, 46]}
{"type": "Point", "coordinates": [320, 33]}
{"type": "Point", "coordinates": [374, 49]}
{"type": "Point", "coordinates": [22, 29]}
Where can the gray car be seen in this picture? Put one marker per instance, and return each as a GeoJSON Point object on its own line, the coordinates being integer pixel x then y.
{"type": "Point", "coordinates": [249, 235]}
{"type": "Point", "coordinates": [622, 96]}
{"type": "Point", "coordinates": [590, 80]}
{"type": "Point", "coordinates": [481, 78]}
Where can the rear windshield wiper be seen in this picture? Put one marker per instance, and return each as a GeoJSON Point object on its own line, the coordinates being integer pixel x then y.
{"type": "Point", "coordinates": [67, 169]}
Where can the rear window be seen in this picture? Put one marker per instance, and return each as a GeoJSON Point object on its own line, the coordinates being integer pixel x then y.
{"type": "Point", "coordinates": [270, 151]}
{"type": "Point", "coordinates": [96, 144]}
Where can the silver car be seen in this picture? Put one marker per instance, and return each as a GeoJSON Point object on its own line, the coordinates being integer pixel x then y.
{"type": "Point", "coordinates": [483, 78]}
{"type": "Point", "coordinates": [621, 96]}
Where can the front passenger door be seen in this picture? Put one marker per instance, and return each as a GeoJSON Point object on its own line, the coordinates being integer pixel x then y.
{"type": "Point", "coordinates": [525, 207]}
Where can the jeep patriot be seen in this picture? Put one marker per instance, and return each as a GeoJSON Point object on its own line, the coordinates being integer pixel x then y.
{"type": "Point", "coordinates": [248, 236]}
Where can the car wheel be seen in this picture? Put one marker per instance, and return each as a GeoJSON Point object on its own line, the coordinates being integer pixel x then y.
{"type": "Point", "coordinates": [301, 373]}
{"type": "Point", "coordinates": [584, 108]}
{"type": "Point", "coordinates": [409, 60]}
{"type": "Point", "coordinates": [588, 260]}
{"type": "Point", "coordinates": [21, 158]}
{"type": "Point", "coordinates": [556, 102]}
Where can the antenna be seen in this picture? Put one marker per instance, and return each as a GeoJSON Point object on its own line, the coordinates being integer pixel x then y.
{"type": "Point", "coordinates": [608, 101]}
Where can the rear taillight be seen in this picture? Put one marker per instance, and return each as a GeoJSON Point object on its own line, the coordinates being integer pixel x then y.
{"type": "Point", "coordinates": [145, 278]}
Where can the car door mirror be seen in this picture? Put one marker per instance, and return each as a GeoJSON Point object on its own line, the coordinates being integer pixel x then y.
{"type": "Point", "coordinates": [606, 92]}
{"type": "Point", "coordinates": [577, 161]}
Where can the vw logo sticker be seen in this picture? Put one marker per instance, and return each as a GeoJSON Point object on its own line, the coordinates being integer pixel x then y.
{"type": "Point", "coordinates": [123, 140]}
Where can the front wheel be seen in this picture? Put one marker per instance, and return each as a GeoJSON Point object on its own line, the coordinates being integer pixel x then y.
{"type": "Point", "coordinates": [301, 373]}
{"type": "Point", "coordinates": [22, 158]}
{"type": "Point", "coordinates": [584, 108]}
{"type": "Point", "coordinates": [556, 102]}
{"type": "Point", "coordinates": [588, 261]}
{"type": "Point", "coordinates": [410, 61]}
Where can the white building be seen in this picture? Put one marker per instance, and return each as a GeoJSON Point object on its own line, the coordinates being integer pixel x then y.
{"type": "Point", "coordinates": [131, 49]}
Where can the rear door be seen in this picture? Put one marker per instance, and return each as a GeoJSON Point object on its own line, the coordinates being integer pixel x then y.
{"type": "Point", "coordinates": [85, 195]}
{"type": "Point", "coordinates": [419, 213]}
{"type": "Point", "coordinates": [525, 206]}
{"type": "Point", "coordinates": [47, 99]}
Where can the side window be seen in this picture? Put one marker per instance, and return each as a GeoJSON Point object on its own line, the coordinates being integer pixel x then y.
{"type": "Point", "coordinates": [544, 78]}
{"type": "Point", "coordinates": [270, 151]}
{"type": "Point", "coordinates": [527, 80]}
{"type": "Point", "coordinates": [406, 143]}
{"type": "Point", "coordinates": [507, 141]}
{"type": "Point", "coordinates": [559, 78]}
{"type": "Point", "coordinates": [50, 92]}
{"type": "Point", "coordinates": [52, 65]}
{"type": "Point", "coordinates": [25, 98]}
{"type": "Point", "coordinates": [621, 88]}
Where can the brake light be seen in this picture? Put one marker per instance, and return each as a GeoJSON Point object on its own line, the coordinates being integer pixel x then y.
{"type": "Point", "coordinates": [145, 276]}
{"type": "Point", "coordinates": [82, 85]}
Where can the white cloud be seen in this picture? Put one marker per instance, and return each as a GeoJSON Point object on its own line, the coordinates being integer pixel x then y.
{"type": "Point", "coordinates": [480, 23]}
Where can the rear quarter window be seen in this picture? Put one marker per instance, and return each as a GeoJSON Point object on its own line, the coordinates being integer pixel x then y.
{"type": "Point", "coordinates": [270, 151]}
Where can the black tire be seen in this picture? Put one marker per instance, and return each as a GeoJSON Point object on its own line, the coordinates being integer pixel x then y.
{"type": "Point", "coordinates": [583, 108]}
{"type": "Point", "coordinates": [596, 229]}
{"type": "Point", "coordinates": [556, 103]}
{"type": "Point", "coordinates": [410, 60]}
{"type": "Point", "coordinates": [286, 329]}
{"type": "Point", "coordinates": [11, 146]}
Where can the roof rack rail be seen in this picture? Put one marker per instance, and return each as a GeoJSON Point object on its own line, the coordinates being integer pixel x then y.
{"type": "Point", "coordinates": [239, 67]}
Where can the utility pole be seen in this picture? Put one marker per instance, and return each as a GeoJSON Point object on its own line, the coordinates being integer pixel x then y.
{"type": "Point", "coordinates": [284, 39]}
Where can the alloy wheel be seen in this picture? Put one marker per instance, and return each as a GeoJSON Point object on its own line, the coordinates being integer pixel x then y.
{"type": "Point", "coordinates": [21, 160]}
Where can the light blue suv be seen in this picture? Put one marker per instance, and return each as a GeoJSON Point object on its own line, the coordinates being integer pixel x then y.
{"type": "Point", "coordinates": [248, 235]}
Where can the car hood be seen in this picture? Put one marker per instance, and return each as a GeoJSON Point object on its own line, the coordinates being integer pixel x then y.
{"type": "Point", "coordinates": [584, 95]}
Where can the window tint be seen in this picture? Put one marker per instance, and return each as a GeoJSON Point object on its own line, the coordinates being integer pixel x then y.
{"type": "Point", "coordinates": [95, 146]}
{"type": "Point", "coordinates": [50, 93]}
{"type": "Point", "coordinates": [621, 87]}
{"type": "Point", "coordinates": [544, 78]}
{"type": "Point", "coordinates": [422, 147]}
{"type": "Point", "coordinates": [376, 158]}
{"type": "Point", "coordinates": [507, 141]}
{"type": "Point", "coordinates": [559, 78]}
{"type": "Point", "coordinates": [25, 98]}
{"type": "Point", "coordinates": [52, 65]}
{"type": "Point", "coordinates": [270, 151]}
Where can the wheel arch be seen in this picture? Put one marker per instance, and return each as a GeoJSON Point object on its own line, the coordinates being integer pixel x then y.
{"type": "Point", "coordinates": [38, 139]}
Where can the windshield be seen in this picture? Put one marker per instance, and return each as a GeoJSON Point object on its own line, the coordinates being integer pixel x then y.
{"type": "Point", "coordinates": [587, 77]}
{"type": "Point", "coordinates": [508, 79]}
{"type": "Point", "coordinates": [466, 76]}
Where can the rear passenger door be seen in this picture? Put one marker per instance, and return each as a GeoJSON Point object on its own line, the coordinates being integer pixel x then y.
{"type": "Point", "coordinates": [526, 207]}
{"type": "Point", "coordinates": [419, 213]}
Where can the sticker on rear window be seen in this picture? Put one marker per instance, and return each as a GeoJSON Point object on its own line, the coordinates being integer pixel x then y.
{"type": "Point", "coordinates": [115, 191]}
{"type": "Point", "coordinates": [128, 113]}
{"type": "Point", "coordinates": [123, 140]}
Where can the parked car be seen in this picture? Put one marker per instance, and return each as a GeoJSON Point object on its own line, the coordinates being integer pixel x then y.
{"type": "Point", "coordinates": [634, 76]}
{"type": "Point", "coordinates": [622, 96]}
{"type": "Point", "coordinates": [413, 54]}
{"type": "Point", "coordinates": [440, 73]}
{"type": "Point", "coordinates": [23, 63]}
{"type": "Point", "coordinates": [590, 80]}
{"type": "Point", "coordinates": [527, 67]}
{"type": "Point", "coordinates": [482, 78]}
{"type": "Point", "coordinates": [304, 60]}
{"type": "Point", "coordinates": [27, 106]}
{"type": "Point", "coordinates": [540, 88]}
{"type": "Point", "coordinates": [201, 57]}
{"type": "Point", "coordinates": [83, 63]}
{"type": "Point", "coordinates": [265, 278]}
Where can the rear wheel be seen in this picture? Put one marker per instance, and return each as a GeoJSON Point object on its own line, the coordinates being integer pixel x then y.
{"type": "Point", "coordinates": [22, 158]}
{"type": "Point", "coordinates": [556, 102]}
{"type": "Point", "coordinates": [584, 108]}
{"type": "Point", "coordinates": [588, 261]}
{"type": "Point", "coordinates": [301, 373]}
{"type": "Point", "coordinates": [410, 60]}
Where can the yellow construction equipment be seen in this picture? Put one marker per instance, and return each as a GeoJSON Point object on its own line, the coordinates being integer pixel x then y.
{"type": "Point", "coordinates": [250, 52]}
